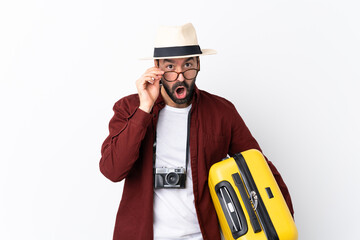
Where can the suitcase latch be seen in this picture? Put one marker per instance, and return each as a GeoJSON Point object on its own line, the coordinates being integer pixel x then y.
{"type": "Point", "coordinates": [254, 199]}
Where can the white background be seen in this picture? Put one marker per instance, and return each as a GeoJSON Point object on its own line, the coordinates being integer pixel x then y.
{"type": "Point", "coordinates": [290, 67]}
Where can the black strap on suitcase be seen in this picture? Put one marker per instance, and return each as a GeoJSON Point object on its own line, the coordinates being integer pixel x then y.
{"type": "Point", "coordinates": [247, 202]}
{"type": "Point", "coordinates": [254, 197]}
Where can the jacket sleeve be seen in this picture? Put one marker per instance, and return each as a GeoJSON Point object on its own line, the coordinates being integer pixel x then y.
{"type": "Point", "coordinates": [242, 140]}
{"type": "Point", "coordinates": [120, 150]}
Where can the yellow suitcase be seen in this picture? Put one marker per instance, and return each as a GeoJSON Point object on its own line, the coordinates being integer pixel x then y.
{"type": "Point", "coordinates": [248, 201]}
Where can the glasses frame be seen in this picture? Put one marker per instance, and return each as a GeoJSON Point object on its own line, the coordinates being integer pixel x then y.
{"type": "Point", "coordinates": [178, 73]}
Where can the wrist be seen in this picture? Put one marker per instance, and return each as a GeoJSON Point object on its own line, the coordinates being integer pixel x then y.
{"type": "Point", "coordinates": [146, 109]}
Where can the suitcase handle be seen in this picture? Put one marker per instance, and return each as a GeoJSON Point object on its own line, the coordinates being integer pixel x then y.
{"type": "Point", "coordinates": [232, 209]}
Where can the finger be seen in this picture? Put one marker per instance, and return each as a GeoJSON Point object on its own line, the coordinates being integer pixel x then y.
{"type": "Point", "coordinates": [144, 81]}
{"type": "Point", "coordinates": [152, 75]}
{"type": "Point", "coordinates": [154, 71]}
{"type": "Point", "coordinates": [157, 82]}
{"type": "Point", "coordinates": [154, 68]}
{"type": "Point", "coordinates": [152, 80]}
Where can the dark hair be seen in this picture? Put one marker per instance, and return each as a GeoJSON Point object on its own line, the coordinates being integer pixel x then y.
{"type": "Point", "coordinates": [196, 57]}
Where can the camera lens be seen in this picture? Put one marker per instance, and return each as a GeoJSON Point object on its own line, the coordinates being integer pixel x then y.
{"type": "Point", "coordinates": [172, 178]}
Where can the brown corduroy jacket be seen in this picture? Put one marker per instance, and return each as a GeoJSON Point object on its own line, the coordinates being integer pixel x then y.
{"type": "Point", "coordinates": [216, 129]}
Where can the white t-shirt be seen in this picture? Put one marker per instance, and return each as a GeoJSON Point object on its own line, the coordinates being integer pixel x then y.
{"type": "Point", "coordinates": [174, 210]}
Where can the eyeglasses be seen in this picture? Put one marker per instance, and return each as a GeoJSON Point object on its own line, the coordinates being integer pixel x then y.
{"type": "Point", "coordinates": [189, 74]}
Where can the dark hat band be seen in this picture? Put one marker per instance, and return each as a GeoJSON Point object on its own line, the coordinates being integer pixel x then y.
{"type": "Point", "coordinates": [177, 51]}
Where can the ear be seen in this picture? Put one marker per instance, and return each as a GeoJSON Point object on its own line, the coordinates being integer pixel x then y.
{"type": "Point", "coordinates": [156, 62]}
{"type": "Point", "coordinates": [198, 62]}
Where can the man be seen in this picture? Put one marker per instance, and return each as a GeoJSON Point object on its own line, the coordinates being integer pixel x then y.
{"type": "Point", "coordinates": [163, 141]}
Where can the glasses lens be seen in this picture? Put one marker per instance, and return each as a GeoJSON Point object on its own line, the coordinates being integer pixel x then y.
{"type": "Point", "coordinates": [190, 74]}
{"type": "Point", "coordinates": [170, 76]}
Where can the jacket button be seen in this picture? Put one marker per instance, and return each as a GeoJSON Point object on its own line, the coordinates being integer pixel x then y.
{"type": "Point", "coordinates": [154, 115]}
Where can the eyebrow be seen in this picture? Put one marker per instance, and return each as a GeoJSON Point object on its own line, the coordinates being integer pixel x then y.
{"type": "Point", "coordinates": [172, 61]}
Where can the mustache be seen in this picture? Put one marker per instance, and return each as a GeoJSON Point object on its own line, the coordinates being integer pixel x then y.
{"type": "Point", "coordinates": [180, 84]}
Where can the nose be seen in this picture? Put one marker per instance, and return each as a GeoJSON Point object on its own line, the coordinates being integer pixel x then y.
{"type": "Point", "coordinates": [181, 77]}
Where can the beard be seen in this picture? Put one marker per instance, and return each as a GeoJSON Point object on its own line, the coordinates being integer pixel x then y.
{"type": "Point", "coordinates": [171, 91]}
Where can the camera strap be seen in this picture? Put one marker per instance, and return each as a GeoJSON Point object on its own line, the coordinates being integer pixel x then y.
{"type": "Point", "coordinates": [187, 144]}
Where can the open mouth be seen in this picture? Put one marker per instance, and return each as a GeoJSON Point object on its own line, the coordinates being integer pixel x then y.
{"type": "Point", "coordinates": [180, 92]}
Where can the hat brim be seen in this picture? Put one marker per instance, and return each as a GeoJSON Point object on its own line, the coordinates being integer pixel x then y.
{"type": "Point", "coordinates": [204, 52]}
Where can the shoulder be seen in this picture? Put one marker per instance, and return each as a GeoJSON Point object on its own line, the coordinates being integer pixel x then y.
{"type": "Point", "coordinates": [130, 99]}
{"type": "Point", "coordinates": [127, 103]}
{"type": "Point", "coordinates": [214, 101]}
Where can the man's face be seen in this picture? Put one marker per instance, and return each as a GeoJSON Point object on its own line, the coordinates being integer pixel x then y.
{"type": "Point", "coordinates": [180, 90]}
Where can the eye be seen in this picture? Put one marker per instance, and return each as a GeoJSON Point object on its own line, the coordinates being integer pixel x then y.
{"type": "Point", "coordinates": [170, 66]}
{"type": "Point", "coordinates": [188, 64]}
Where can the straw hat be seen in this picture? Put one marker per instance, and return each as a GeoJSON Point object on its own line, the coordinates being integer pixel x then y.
{"type": "Point", "coordinates": [177, 42]}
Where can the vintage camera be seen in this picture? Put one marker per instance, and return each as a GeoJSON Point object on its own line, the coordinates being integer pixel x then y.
{"type": "Point", "coordinates": [169, 177]}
